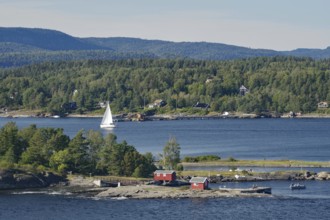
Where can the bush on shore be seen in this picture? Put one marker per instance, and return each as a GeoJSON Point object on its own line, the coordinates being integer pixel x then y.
{"type": "Point", "coordinates": [203, 158]}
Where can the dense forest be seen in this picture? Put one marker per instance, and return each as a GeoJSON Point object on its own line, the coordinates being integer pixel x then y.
{"type": "Point", "coordinates": [41, 149]}
{"type": "Point", "coordinates": [13, 55]}
{"type": "Point", "coordinates": [276, 84]}
{"type": "Point", "coordinates": [22, 46]}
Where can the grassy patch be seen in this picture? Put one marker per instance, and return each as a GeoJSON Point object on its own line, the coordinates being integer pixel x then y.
{"type": "Point", "coordinates": [184, 188]}
{"type": "Point", "coordinates": [260, 163]}
{"type": "Point", "coordinates": [209, 173]}
{"type": "Point", "coordinates": [120, 178]}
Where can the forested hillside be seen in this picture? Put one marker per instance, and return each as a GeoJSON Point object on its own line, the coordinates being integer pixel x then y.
{"type": "Point", "coordinates": [314, 53]}
{"type": "Point", "coordinates": [192, 50]}
{"type": "Point", "coordinates": [23, 46]}
{"type": "Point", "coordinates": [44, 39]}
{"type": "Point", "coordinates": [15, 59]}
{"type": "Point", "coordinates": [278, 84]}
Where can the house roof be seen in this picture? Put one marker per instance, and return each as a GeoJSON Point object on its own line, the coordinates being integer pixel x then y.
{"type": "Point", "coordinates": [198, 179]}
{"type": "Point", "coordinates": [201, 105]}
{"type": "Point", "coordinates": [243, 88]}
{"type": "Point", "coordinates": [164, 171]}
{"type": "Point", "coordinates": [158, 101]}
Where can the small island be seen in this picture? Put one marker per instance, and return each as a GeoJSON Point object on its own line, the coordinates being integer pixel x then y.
{"type": "Point", "coordinates": [90, 163]}
{"type": "Point", "coordinates": [163, 192]}
{"type": "Point", "coordinates": [166, 185]}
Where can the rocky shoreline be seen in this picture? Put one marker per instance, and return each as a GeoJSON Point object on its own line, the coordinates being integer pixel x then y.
{"type": "Point", "coordinates": [163, 192]}
{"type": "Point", "coordinates": [177, 191]}
{"type": "Point", "coordinates": [140, 117]}
{"type": "Point", "coordinates": [17, 179]}
{"type": "Point", "coordinates": [79, 185]}
{"type": "Point", "coordinates": [290, 176]}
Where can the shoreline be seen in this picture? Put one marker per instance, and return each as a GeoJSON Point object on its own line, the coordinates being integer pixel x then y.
{"type": "Point", "coordinates": [32, 114]}
{"type": "Point", "coordinates": [145, 189]}
{"type": "Point", "coordinates": [142, 192]}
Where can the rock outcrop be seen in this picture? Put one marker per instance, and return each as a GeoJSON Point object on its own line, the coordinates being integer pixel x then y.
{"type": "Point", "coordinates": [323, 176]}
{"type": "Point", "coordinates": [18, 179]}
{"type": "Point", "coordinates": [290, 175]}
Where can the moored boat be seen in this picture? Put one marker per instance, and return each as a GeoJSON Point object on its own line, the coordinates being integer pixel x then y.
{"type": "Point", "coordinates": [107, 121]}
{"type": "Point", "coordinates": [294, 186]}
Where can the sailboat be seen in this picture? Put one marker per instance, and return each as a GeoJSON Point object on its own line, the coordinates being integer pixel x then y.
{"type": "Point", "coordinates": [107, 121]}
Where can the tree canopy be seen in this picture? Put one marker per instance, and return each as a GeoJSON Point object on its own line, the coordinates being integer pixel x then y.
{"type": "Point", "coordinates": [279, 84]}
{"type": "Point", "coordinates": [171, 154]}
{"type": "Point", "coordinates": [87, 152]}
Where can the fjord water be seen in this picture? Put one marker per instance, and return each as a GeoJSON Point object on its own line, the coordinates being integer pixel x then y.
{"type": "Point", "coordinates": [294, 139]}
{"type": "Point", "coordinates": [301, 139]}
{"type": "Point", "coordinates": [51, 206]}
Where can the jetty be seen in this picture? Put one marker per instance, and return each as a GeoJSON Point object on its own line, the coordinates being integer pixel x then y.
{"type": "Point", "coordinates": [262, 190]}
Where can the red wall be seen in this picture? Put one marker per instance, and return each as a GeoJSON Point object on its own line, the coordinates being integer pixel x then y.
{"type": "Point", "coordinates": [197, 185]}
{"type": "Point", "coordinates": [164, 177]}
{"type": "Point", "coordinates": [200, 186]}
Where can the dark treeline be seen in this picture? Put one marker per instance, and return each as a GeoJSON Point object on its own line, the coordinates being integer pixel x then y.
{"type": "Point", "coordinates": [88, 152]}
{"type": "Point", "coordinates": [25, 55]}
{"type": "Point", "coordinates": [279, 84]}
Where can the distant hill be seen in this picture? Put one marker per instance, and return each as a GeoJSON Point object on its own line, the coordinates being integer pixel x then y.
{"type": "Point", "coordinates": [44, 39]}
{"type": "Point", "coordinates": [9, 47]}
{"type": "Point", "coordinates": [313, 53]}
{"type": "Point", "coordinates": [193, 50]}
{"type": "Point", "coordinates": [21, 46]}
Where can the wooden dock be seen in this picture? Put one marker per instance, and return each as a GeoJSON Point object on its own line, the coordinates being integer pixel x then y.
{"type": "Point", "coordinates": [263, 190]}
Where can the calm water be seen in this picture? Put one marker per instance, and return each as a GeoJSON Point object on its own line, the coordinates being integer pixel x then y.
{"type": "Point", "coordinates": [312, 203]}
{"type": "Point", "coordinates": [303, 139]}
{"type": "Point", "coordinates": [300, 139]}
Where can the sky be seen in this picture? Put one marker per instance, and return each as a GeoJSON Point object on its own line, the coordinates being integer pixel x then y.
{"type": "Point", "coordinates": [268, 24]}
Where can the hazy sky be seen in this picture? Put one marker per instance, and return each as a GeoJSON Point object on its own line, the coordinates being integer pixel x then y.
{"type": "Point", "coordinates": [270, 24]}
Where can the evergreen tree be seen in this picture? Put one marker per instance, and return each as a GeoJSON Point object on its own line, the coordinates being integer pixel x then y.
{"type": "Point", "coordinates": [78, 150]}
{"type": "Point", "coordinates": [10, 145]}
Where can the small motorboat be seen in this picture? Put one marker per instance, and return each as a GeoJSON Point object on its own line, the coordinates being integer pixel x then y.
{"type": "Point", "coordinates": [297, 186]}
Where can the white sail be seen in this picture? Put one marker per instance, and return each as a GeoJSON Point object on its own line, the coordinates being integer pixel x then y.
{"type": "Point", "coordinates": [107, 121]}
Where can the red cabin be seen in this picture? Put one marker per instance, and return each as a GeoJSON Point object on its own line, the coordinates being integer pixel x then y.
{"type": "Point", "coordinates": [164, 175]}
{"type": "Point", "coordinates": [200, 183]}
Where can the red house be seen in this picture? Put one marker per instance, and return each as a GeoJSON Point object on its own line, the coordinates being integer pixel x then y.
{"type": "Point", "coordinates": [164, 175]}
{"type": "Point", "coordinates": [200, 183]}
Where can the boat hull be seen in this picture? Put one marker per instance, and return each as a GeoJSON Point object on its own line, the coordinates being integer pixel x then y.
{"type": "Point", "coordinates": [297, 186]}
{"type": "Point", "coordinates": [108, 126]}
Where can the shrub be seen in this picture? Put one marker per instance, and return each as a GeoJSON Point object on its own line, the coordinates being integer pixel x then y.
{"type": "Point", "coordinates": [208, 158]}
{"type": "Point", "coordinates": [6, 165]}
{"type": "Point", "coordinates": [190, 159]}
{"type": "Point", "coordinates": [203, 158]}
{"type": "Point", "coordinates": [179, 167]}
{"type": "Point", "coordinates": [244, 172]}
{"type": "Point", "coordinates": [231, 159]}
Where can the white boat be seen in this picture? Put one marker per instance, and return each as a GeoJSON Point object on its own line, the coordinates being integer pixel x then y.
{"type": "Point", "coordinates": [107, 121]}
{"type": "Point", "coordinates": [297, 186]}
